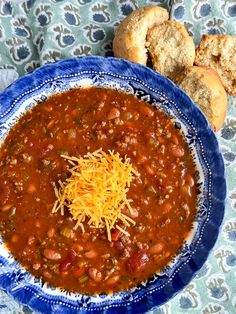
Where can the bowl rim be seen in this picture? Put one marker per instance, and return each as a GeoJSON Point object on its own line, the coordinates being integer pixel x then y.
{"type": "Point", "coordinates": [40, 76]}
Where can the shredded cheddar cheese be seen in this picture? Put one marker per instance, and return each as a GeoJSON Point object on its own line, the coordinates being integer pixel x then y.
{"type": "Point", "coordinates": [96, 190]}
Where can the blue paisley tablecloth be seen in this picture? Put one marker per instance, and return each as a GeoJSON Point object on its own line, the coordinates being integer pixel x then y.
{"type": "Point", "coordinates": [36, 32]}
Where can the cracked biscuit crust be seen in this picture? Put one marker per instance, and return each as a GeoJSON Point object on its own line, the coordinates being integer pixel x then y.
{"type": "Point", "coordinates": [219, 53]}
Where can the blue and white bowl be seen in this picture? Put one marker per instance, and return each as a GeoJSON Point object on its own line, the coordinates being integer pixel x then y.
{"type": "Point", "coordinates": [157, 90]}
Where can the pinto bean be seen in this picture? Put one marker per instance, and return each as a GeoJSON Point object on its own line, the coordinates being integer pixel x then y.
{"type": "Point", "coordinates": [31, 188]}
{"type": "Point", "coordinates": [133, 213]}
{"type": "Point", "coordinates": [50, 124]}
{"type": "Point", "coordinates": [47, 274]}
{"type": "Point", "coordinates": [167, 254]}
{"type": "Point", "coordinates": [156, 248]}
{"type": "Point", "coordinates": [113, 280]}
{"type": "Point", "coordinates": [147, 111]}
{"type": "Point", "coordinates": [37, 223]}
{"type": "Point", "coordinates": [5, 208]}
{"type": "Point", "coordinates": [31, 240]}
{"type": "Point", "coordinates": [67, 118]}
{"type": "Point", "coordinates": [175, 139]}
{"type": "Point", "coordinates": [51, 254]}
{"type": "Point", "coordinates": [141, 158]}
{"type": "Point", "coordinates": [149, 170]}
{"type": "Point", "coordinates": [95, 274]}
{"type": "Point", "coordinates": [189, 180]}
{"type": "Point", "coordinates": [176, 150]}
{"type": "Point", "coordinates": [113, 114]}
{"type": "Point", "coordinates": [91, 254]}
{"type": "Point", "coordinates": [14, 238]}
{"type": "Point", "coordinates": [166, 207]}
{"type": "Point", "coordinates": [187, 190]}
{"type": "Point", "coordinates": [77, 247]}
{"type": "Point", "coordinates": [48, 108]}
{"type": "Point", "coordinates": [51, 232]}
{"type": "Point", "coordinates": [36, 266]}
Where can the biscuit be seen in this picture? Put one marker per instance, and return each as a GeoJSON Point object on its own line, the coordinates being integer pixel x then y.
{"type": "Point", "coordinates": [130, 37]}
{"type": "Point", "coordinates": [204, 86]}
{"type": "Point", "coordinates": [170, 47]}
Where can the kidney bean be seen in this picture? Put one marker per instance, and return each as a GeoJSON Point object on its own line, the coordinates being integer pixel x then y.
{"type": "Point", "coordinates": [137, 261]}
{"type": "Point", "coordinates": [176, 150]}
{"type": "Point", "coordinates": [51, 254]}
{"type": "Point", "coordinates": [114, 113]}
{"type": "Point", "coordinates": [65, 265]}
{"type": "Point", "coordinates": [156, 248]}
{"type": "Point", "coordinates": [68, 261]}
{"type": "Point", "coordinates": [95, 274]}
{"type": "Point", "coordinates": [113, 280]}
{"type": "Point", "coordinates": [119, 246]}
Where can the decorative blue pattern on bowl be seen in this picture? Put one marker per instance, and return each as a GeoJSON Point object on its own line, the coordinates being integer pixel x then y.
{"type": "Point", "coordinates": [163, 94]}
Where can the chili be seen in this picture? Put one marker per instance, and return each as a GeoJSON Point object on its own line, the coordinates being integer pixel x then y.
{"type": "Point", "coordinates": [163, 196]}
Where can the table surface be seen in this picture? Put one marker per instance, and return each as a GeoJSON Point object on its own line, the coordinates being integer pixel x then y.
{"type": "Point", "coordinates": [36, 32]}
